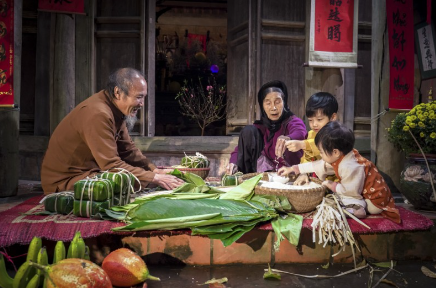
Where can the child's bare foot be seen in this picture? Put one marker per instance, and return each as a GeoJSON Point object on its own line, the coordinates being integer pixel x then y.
{"type": "Point", "coordinates": [356, 210]}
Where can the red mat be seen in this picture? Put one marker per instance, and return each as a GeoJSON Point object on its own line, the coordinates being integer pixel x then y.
{"type": "Point", "coordinates": [410, 221]}
{"type": "Point", "coordinates": [16, 228]}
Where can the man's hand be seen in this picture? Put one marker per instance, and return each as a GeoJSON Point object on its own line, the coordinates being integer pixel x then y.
{"type": "Point", "coordinates": [295, 145]}
{"type": "Point", "coordinates": [231, 168]}
{"type": "Point", "coordinates": [166, 181]}
{"type": "Point", "coordinates": [280, 145]}
{"type": "Point", "coordinates": [162, 171]}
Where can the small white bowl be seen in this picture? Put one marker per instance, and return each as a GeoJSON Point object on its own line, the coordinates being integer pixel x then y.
{"type": "Point", "coordinates": [273, 177]}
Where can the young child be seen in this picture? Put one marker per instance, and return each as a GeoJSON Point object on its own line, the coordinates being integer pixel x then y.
{"type": "Point", "coordinates": [361, 188]}
{"type": "Point", "coordinates": [321, 108]}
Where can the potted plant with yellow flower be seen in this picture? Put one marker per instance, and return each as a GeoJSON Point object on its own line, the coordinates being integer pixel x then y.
{"type": "Point", "coordinates": [414, 133]}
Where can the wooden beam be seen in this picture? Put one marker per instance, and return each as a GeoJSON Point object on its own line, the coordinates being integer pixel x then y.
{"type": "Point", "coordinates": [238, 41]}
{"type": "Point", "coordinates": [29, 15]}
{"type": "Point", "coordinates": [364, 38]}
{"type": "Point", "coordinates": [118, 34]}
{"type": "Point", "coordinates": [362, 120]}
{"type": "Point", "coordinates": [365, 25]}
{"type": "Point", "coordinates": [281, 37]}
{"type": "Point", "coordinates": [118, 20]}
{"type": "Point", "coordinates": [240, 27]}
{"type": "Point", "coordinates": [283, 24]}
{"type": "Point", "coordinates": [194, 4]}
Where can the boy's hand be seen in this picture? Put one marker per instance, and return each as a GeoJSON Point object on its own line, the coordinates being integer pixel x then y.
{"type": "Point", "coordinates": [301, 180]}
{"type": "Point", "coordinates": [295, 145]}
{"type": "Point", "coordinates": [280, 145]}
{"type": "Point", "coordinates": [288, 170]}
{"type": "Point", "coordinates": [330, 185]}
{"type": "Point", "coordinates": [231, 168]}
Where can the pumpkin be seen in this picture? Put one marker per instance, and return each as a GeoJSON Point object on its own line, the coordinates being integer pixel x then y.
{"type": "Point", "coordinates": [74, 272]}
{"type": "Point", "coordinates": [125, 268]}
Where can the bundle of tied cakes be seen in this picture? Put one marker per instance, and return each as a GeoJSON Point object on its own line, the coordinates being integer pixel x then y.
{"type": "Point", "coordinates": [103, 191]}
{"type": "Point", "coordinates": [59, 203]}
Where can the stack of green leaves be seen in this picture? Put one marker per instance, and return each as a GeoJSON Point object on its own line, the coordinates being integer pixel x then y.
{"type": "Point", "coordinates": [90, 194]}
{"type": "Point", "coordinates": [226, 220]}
{"type": "Point", "coordinates": [59, 203]}
{"type": "Point", "coordinates": [209, 211]}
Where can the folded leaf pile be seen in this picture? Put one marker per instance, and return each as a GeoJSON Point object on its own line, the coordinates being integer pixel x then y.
{"type": "Point", "coordinates": [209, 211]}
{"type": "Point", "coordinates": [226, 220]}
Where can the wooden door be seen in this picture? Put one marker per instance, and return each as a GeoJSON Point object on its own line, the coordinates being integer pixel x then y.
{"type": "Point", "coordinates": [123, 38]}
{"type": "Point", "coordinates": [266, 41]}
{"type": "Point", "coordinates": [281, 49]}
{"type": "Point", "coordinates": [240, 65]}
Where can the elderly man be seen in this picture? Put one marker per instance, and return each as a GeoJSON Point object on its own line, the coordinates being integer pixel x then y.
{"type": "Point", "coordinates": [94, 137]}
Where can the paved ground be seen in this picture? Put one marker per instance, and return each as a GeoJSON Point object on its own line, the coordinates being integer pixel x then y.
{"type": "Point", "coordinates": [405, 274]}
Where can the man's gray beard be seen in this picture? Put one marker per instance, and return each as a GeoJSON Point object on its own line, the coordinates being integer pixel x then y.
{"type": "Point", "coordinates": [130, 122]}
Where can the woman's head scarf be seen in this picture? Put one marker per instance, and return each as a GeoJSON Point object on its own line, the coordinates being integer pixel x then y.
{"type": "Point", "coordinates": [273, 86]}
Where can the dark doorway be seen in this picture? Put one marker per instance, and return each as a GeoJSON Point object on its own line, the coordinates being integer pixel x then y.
{"type": "Point", "coordinates": [191, 48]}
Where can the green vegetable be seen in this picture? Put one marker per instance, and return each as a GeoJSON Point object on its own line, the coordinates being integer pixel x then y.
{"type": "Point", "coordinates": [197, 161]}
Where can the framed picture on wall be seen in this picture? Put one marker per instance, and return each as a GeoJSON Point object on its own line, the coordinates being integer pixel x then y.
{"type": "Point", "coordinates": [425, 46]}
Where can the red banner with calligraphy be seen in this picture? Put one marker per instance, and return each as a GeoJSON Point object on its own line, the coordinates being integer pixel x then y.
{"type": "Point", "coordinates": [401, 53]}
{"type": "Point", "coordinates": [6, 53]}
{"type": "Point", "coordinates": [62, 6]}
{"type": "Point", "coordinates": [333, 33]}
{"type": "Point", "coordinates": [334, 25]}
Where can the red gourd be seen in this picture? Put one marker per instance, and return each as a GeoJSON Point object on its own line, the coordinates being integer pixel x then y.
{"type": "Point", "coordinates": [125, 268]}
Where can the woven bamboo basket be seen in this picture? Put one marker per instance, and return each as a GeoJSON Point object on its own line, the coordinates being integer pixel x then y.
{"type": "Point", "coordinates": [302, 200]}
{"type": "Point", "coordinates": [244, 177]}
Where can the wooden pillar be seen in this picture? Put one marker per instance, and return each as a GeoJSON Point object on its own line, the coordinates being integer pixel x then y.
{"type": "Point", "coordinates": [10, 118]}
{"type": "Point", "coordinates": [42, 75]}
{"type": "Point", "coordinates": [383, 154]}
{"type": "Point", "coordinates": [149, 65]}
{"type": "Point", "coordinates": [84, 85]}
{"type": "Point", "coordinates": [9, 158]}
{"type": "Point", "coordinates": [350, 94]}
{"type": "Point", "coordinates": [63, 68]}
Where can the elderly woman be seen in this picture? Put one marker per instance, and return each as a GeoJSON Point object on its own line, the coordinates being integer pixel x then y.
{"type": "Point", "coordinates": [261, 145]}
